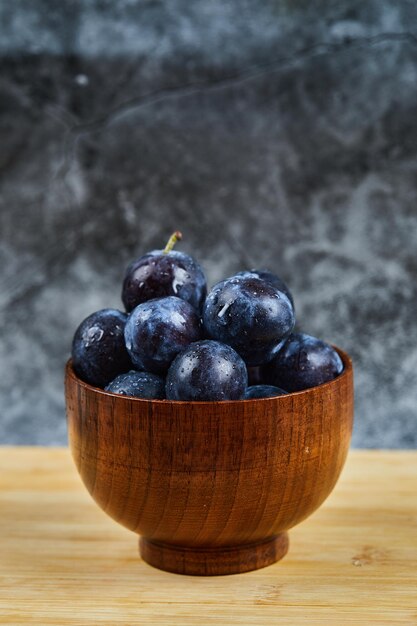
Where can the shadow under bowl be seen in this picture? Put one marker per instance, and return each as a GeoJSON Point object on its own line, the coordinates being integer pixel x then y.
{"type": "Point", "coordinates": [211, 487]}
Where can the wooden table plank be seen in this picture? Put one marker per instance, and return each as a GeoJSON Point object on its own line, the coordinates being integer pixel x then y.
{"type": "Point", "coordinates": [62, 561]}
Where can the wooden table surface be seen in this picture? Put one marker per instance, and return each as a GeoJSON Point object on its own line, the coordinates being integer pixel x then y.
{"type": "Point", "coordinates": [62, 561]}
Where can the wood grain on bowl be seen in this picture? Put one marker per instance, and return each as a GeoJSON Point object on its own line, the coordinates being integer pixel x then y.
{"type": "Point", "coordinates": [211, 487]}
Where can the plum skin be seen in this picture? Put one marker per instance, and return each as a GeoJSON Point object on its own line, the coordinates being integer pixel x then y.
{"type": "Point", "coordinates": [98, 348]}
{"type": "Point", "coordinates": [263, 391]}
{"type": "Point", "coordinates": [138, 385]}
{"type": "Point", "coordinates": [303, 362]}
{"type": "Point", "coordinates": [255, 375]}
{"type": "Point", "coordinates": [207, 371]}
{"type": "Point", "coordinates": [272, 279]}
{"type": "Point", "coordinates": [250, 315]}
{"type": "Point", "coordinates": [158, 274]}
{"type": "Point", "coordinates": [157, 330]}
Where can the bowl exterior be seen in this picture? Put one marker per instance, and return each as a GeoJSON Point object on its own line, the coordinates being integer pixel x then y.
{"type": "Point", "coordinates": [210, 474]}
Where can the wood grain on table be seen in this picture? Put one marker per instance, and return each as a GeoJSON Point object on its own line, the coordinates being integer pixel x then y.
{"type": "Point", "coordinates": [63, 561]}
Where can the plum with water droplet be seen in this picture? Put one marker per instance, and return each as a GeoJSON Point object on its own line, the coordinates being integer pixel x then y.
{"type": "Point", "coordinates": [138, 385]}
{"type": "Point", "coordinates": [157, 330]}
{"type": "Point", "coordinates": [164, 273]}
{"type": "Point", "coordinates": [98, 349]}
{"type": "Point", "coordinates": [272, 279]}
{"type": "Point", "coordinates": [207, 370]}
{"type": "Point", "coordinates": [250, 315]}
{"type": "Point", "coordinates": [303, 362]}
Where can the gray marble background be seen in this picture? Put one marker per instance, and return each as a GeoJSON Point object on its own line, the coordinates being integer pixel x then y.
{"type": "Point", "coordinates": [274, 133]}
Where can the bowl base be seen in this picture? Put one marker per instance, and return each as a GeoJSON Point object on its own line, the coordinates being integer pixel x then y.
{"type": "Point", "coordinates": [213, 561]}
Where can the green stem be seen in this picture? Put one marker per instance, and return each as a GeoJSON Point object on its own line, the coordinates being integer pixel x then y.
{"type": "Point", "coordinates": [172, 241]}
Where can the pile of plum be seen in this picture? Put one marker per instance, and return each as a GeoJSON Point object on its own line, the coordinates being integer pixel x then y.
{"type": "Point", "coordinates": [177, 342]}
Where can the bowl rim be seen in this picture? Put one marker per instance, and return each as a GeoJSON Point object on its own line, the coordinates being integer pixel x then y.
{"type": "Point", "coordinates": [347, 371]}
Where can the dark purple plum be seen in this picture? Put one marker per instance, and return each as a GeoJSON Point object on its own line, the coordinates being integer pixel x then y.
{"type": "Point", "coordinates": [207, 370]}
{"type": "Point", "coordinates": [164, 273]}
{"type": "Point", "coordinates": [139, 385]}
{"type": "Point", "coordinates": [263, 391]}
{"type": "Point", "coordinates": [272, 279]}
{"type": "Point", "coordinates": [250, 315]}
{"type": "Point", "coordinates": [98, 349]}
{"type": "Point", "coordinates": [158, 330]}
{"type": "Point", "coordinates": [303, 362]}
{"type": "Point", "coordinates": [255, 375]}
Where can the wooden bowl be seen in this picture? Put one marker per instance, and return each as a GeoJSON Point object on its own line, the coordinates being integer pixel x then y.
{"type": "Point", "coordinates": [211, 487]}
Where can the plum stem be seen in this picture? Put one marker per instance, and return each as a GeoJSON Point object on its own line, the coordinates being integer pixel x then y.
{"type": "Point", "coordinates": [172, 241]}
